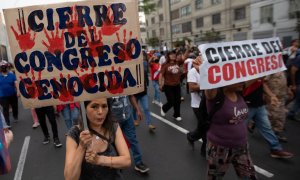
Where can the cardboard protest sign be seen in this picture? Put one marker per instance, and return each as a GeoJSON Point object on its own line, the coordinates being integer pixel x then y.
{"type": "Point", "coordinates": [75, 51]}
{"type": "Point", "coordinates": [232, 62]}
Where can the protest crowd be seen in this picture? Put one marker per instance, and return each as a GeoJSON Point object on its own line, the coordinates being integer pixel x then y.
{"type": "Point", "coordinates": [102, 149]}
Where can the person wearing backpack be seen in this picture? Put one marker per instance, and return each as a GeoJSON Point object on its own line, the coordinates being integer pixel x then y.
{"type": "Point", "coordinates": [227, 134]}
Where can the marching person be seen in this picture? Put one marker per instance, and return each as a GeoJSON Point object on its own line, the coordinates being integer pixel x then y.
{"type": "Point", "coordinates": [8, 92]}
{"type": "Point", "coordinates": [169, 82]}
{"type": "Point", "coordinates": [48, 111]}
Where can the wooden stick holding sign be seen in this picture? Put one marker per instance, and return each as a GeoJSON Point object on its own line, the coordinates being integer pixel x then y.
{"type": "Point", "coordinates": [83, 115]}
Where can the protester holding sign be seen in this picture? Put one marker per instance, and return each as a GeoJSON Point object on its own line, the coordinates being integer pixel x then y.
{"type": "Point", "coordinates": [100, 152]}
{"type": "Point", "coordinates": [227, 136]}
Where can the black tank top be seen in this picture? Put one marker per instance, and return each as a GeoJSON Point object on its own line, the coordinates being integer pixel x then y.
{"type": "Point", "coordinates": [96, 172]}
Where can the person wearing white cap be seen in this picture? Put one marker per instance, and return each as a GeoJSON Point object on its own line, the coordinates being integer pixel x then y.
{"type": "Point", "coordinates": [8, 92]}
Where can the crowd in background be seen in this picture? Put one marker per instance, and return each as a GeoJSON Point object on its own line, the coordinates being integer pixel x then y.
{"type": "Point", "coordinates": [263, 104]}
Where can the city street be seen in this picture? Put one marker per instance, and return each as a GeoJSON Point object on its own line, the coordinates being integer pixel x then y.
{"type": "Point", "coordinates": [165, 151]}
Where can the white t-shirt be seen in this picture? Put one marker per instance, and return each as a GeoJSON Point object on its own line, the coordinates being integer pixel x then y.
{"type": "Point", "coordinates": [189, 64]}
{"type": "Point", "coordinates": [194, 76]}
{"type": "Point", "coordinates": [162, 60]}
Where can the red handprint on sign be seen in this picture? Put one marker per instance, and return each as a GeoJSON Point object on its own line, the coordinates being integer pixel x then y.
{"type": "Point", "coordinates": [56, 42]}
{"type": "Point", "coordinates": [24, 39]}
{"type": "Point", "coordinates": [108, 27]}
{"type": "Point", "coordinates": [74, 21]}
{"type": "Point", "coordinates": [123, 54]}
{"type": "Point", "coordinates": [96, 42]}
{"type": "Point", "coordinates": [114, 86]}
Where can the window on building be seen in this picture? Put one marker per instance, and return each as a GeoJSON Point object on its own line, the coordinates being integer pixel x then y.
{"type": "Point", "coordinates": [240, 13]}
{"type": "Point", "coordinates": [175, 1]}
{"type": "Point", "coordinates": [152, 20]}
{"type": "Point", "coordinates": [176, 29]}
{"type": "Point", "coordinates": [199, 22]}
{"type": "Point", "coordinates": [153, 33]}
{"type": "Point", "coordinates": [3, 53]}
{"type": "Point", "coordinates": [175, 14]}
{"type": "Point", "coordinates": [216, 18]}
{"type": "Point", "coordinates": [187, 27]}
{"type": "Point", "coordinates": [266, 14]}
{"type": "Point", "coordinates": [214, 2]}
{"type": "Point", "coordinates": [186, 10]}
{"type": "Point", "coordinates": [159, 3]}
{"type": "Point", "coordinates": [161, 31]}
{"type": "Point", "coordinates": [143, 29]}
{"type": "Point", "coordinates": [199, 4]}
{"type": "Point", "coordinates": [293, 9]}
{"type": "Point", "coordinates": [161, 17]}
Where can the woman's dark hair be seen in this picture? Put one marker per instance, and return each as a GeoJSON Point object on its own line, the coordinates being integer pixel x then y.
{"type": "Point", "coordinates": [168, 55]}
{"type": "Point", "coordinates": [108, 122]}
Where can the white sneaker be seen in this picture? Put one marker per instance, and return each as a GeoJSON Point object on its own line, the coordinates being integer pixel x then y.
{"type": "Point", "coordinates": [35, 125]}
{"type": "Point", "coordinates": [162, 113]}
{"type": "Point", "coordinates": [153, 102]}
{"type": "Point", "coordinates": [158, 103]}
{"type": "Point", "coordinates": [178, 119]}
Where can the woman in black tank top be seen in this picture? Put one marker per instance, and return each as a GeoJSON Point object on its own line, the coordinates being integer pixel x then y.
{"type": "Point", "coordinates": [97, 153]}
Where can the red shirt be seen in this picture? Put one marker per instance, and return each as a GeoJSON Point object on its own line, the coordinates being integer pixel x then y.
{"type": "Point", "coordinates": [155, 71]}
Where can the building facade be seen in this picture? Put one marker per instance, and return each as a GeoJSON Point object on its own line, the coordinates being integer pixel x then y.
{"type": "Point", "coordinates": [3, 41]}
{"type": "Point", "coordinates": [194, 19]}
{"type": "Point", "coordinates": [275, 18]}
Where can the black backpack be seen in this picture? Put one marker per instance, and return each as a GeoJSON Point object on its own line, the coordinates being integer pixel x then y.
{"type": "Point", "coordinates": [205, 117]}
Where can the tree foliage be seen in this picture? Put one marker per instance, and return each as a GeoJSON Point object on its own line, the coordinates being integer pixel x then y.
{"type": "Point", "coordinates": [181, 43]}
{"type": "Point", "coordinates": [211, 36]}
{"type": "Point", "coordinates": [153, 42]}
{"type": "Point", "coordinates": [147, 6]}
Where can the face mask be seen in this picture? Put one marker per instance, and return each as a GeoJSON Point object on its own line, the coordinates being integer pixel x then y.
{"type": "Point", "coordinates": [4, 69]}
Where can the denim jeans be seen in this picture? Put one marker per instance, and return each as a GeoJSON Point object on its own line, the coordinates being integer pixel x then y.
{"type": "Point", "coordinates": [70, 116]}
{"type": "Point", "coordinates": [296, 104]}
{"type": "Point", "coordinates": [128, 129]}
{"type": "Point", "coordinates": [262, 123]}
{"type": "Point", "coordinates": [143, 100]}
{"type": "Point", "coordinates": [156, 90]}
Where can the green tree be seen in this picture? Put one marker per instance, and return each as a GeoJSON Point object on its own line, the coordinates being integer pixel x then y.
{"type": "Point", "coordinates": [181, 43]}
{"type": "Point", "coordinates": [153, 42]}
{"type": "Point", "coordinates": [147, 6]}
{"type": "Point", "coordinates": [211, 36]}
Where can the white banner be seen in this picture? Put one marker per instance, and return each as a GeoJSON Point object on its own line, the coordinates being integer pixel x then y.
{"type": "Point", "coordinates": [238, 61]}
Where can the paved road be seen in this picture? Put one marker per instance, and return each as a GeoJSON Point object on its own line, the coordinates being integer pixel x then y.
{"type": "Point", "coordinates": [166, 151]}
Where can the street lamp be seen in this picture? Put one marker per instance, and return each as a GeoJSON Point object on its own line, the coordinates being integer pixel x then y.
{"type": "Point", "coordinates": [171, 33]}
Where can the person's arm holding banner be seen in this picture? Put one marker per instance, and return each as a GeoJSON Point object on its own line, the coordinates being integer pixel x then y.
{"type": "Point", "coordinates": [136, 107]}
{"type": "Point", "coordinates": [75, 154]}
{"type": "Point", "coordinates": [273, 98]}
{"type": "Point", "coordinates": [193, 85]}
